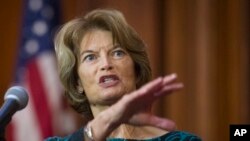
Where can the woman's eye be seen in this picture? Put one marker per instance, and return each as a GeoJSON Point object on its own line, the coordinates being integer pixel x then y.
{"type": "Point", "coordinates": [89, 58]}
{"type": "Point", "coordinates": [118, 53]}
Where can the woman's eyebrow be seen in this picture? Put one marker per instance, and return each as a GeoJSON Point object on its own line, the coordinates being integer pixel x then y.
{"type": "Point", "coordinates": [92, 51]}
{"type": "Point", "coordinates": [116, 46]}
{"type": "Point", "coordinates": [86, 51]}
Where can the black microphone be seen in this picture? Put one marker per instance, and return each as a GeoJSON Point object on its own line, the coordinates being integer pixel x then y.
{"type": "Point", "coordinates": [16, 98]}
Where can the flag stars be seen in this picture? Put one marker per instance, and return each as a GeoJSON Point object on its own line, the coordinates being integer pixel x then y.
{"type": "Point", "coordinates": [36, 44]}
{"type": "Point", "coordinates": [39, 28]}
{"type": "Point", "coordinates": [31, 46]}
{"type": "Point", "coordinates": [35, 5]}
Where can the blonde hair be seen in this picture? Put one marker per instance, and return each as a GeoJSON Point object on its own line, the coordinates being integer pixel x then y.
{"type": "Point", "coordinates": [67, 42]}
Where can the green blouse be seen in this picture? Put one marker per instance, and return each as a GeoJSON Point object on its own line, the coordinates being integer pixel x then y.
{"type": "Point", "coordinates": [172, 136]}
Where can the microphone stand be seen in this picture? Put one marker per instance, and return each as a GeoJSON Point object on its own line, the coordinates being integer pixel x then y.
{"type": "Point", "coordinates": [2, 134]}
{"type": "Point", "coordinates": [2, 129]}
{"type": "Point", "coordinates": [5, 117]}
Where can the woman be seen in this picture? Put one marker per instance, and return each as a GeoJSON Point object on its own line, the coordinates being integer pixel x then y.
{"type": "Point", "coordinates": [105, 70]}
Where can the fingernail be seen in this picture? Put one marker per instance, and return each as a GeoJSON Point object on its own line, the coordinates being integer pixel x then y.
{"type": "Point", "coordinates": [170, 77]}
{"type": "Point", "coordinates": [173, 75]}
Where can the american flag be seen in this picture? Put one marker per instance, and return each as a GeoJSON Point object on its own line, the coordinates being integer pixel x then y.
{"type": "Point", "coordinates": [36, 70]}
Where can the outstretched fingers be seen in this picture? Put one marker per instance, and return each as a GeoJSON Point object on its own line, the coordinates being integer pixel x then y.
{"type": "Point", "coordinates": [156, 85]}
{"type": "Point", "coordinates": [169, 78]}
{"type": "Point", "coordinates": [168, 89]}
{"type": "Point", "coordinates": [159, 86]}
{"type": "Point", "coordinates": [151, 86]}
{"type": "Point", "coordinates": [153, 90]}
{"type": "Point", "coordinates": [133, 105]}
{"type": "Point", "coordinates": [145, 92]}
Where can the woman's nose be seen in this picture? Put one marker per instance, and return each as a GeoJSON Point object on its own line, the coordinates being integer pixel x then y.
{"type": "Point", "coordinates": [106, 64]}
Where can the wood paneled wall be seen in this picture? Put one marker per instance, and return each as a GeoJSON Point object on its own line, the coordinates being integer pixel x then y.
{"type": "Point", "coordinates": [206, 42]}
{"type": "Point", "coordinates": [10, 16]}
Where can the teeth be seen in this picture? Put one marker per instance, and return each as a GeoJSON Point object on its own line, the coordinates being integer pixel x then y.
{"type": "Point", "coordinates": [106, 80]}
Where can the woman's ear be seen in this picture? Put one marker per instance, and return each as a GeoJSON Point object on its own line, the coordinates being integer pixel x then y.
{"type": "Point", "coordinates": [80, 86]}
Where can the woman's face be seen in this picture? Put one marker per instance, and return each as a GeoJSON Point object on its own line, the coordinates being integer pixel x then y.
{"type": "Point", "coordinates": [106, 70]}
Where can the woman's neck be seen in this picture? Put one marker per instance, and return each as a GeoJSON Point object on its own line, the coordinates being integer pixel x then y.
{"type": "Point", "coordinates": [129, 131]}
{"type": "Point", "coordinates": [97, 109]}
{"type": "Point", "coordinates": [123, 131]}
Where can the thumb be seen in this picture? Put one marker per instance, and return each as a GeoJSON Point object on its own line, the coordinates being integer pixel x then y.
{"type": "Point", "coordinates": [153, 120]}
{"type": "Point", "coordinates": [162, 123]}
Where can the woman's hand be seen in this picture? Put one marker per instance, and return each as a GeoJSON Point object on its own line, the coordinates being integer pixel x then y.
{"type": "Point", "coordinates": [132, 107]}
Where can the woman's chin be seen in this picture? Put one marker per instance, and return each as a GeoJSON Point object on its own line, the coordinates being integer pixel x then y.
{"type": "Point", "coordinates": [111, 91]}
{"type": "Point", "coordinates": [110, 96]}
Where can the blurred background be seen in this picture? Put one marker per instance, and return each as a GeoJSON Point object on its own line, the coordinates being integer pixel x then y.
{"type": "Point", "coordinates": [206, 42]}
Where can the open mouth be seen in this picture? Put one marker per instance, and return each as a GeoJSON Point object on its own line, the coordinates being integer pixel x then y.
{"type": "Point", "coordinates": [108, 80]}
